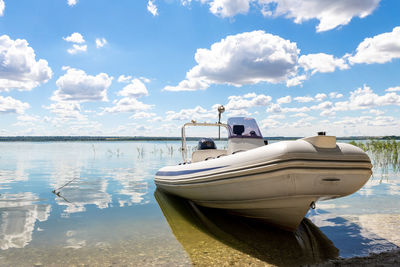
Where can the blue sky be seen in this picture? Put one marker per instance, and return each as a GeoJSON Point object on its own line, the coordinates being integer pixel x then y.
{"type": "Point", "coordinates": [101, 67]}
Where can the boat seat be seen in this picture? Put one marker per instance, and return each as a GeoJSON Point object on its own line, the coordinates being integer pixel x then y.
{"type": "Point", "coordinates": [200, 155]}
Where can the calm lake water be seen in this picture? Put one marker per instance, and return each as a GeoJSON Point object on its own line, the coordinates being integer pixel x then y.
{"type": "Point", "coordinates": [106, 211]}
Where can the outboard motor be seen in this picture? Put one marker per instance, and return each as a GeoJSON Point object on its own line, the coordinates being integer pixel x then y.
{"type": "Point", "coordinates": [206, 143]}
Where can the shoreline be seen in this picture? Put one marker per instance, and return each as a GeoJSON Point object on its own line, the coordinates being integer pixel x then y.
{"type": "Point", "coordinates": [386, 258]}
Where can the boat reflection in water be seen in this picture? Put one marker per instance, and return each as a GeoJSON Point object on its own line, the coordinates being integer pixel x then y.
{"type": "Point", "coordinates": [214, 237]}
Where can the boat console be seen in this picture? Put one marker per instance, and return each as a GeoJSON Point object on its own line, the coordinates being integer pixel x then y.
{"type": "Point", "coordinates": [243, 134]}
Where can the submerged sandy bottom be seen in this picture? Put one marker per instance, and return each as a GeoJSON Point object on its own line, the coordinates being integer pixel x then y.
{"type": "Point", "coordinates": [385, 226]}
{"type": "Point", "coordinates": [198, 237]}
{"type": "Point", "coordinates": [167, 253]}
{"type": "Point", "coordinates": [390, 258]}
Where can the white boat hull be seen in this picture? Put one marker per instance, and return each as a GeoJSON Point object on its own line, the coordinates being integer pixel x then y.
{"type": "Point", "coordinates": [275, 183]}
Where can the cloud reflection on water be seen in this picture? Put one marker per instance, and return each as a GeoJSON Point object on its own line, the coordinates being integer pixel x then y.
{"type": "Point", "coordinates": [385, 186]}
{"type": "Point", "coordinates": [76, 192]}
{"type": "Point", "coordinates": [134, 186]}
{"type": "Point", "coordinates": [82, 192]}
{"type": "Point", "coordinates": [7, 177]}
{"type": "Point", "coordinates": [18, 215]}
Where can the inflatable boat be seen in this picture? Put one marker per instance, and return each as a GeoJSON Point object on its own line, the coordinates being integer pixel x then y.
{"type": "Point", "coordinates": [277, 183]}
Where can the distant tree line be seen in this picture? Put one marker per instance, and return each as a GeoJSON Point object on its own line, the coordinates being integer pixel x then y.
{"type": "Point", "coordinates": [147, 138]}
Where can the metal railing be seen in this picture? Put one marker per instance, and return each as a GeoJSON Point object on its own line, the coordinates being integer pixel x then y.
{"type": "Point", "coordinates": [184, 149]}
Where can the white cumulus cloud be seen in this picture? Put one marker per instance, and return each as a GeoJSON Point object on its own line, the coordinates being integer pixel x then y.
{"type": "Point", "coordinates": [143, 115]}
{"type": "Point", "coordinates": [247, 101]}
{"type": "Point", "coordinates": [186, 2]}
{"type": "Point", "coordinates": [381, 48]}
{"type": "Point", "coordinates": [78, 43]}
{"type": "Point", "coordinates": [2, 7]}
{"type": "Point", "coordinates": [28, 118]}
{"type": "Point", "coordinates": [11, 105]}
{"type": "Point", "coordinates": [224, 8]}
{"type": "Point", "coordinates": [368, 121]}
{"type": "Point", "coordinates": [303, 99]}
{"type": "Point", "coordinates": [66, 110]}
{"type": "Point", "coordinates": [135, 89]}
{"type": "Point", "coordinates": [363, 98]}
{"type": "Point", "coordinates": [275, 108]}
{"type": "Point", "coordinates": [76, 49]}
{"type": "Point", "coordinates": [335, 95]}
{"type": "Point", "coordinates": [72, 2]}
{"type": "Point", "coordinates": [320, 96]}
{"type": "Point", "coordinates": [18, 66]}
{"type": "Point", "coordinates": [238, 113]}
{"type": "Point", "coordinates": [127, 104]}
{"type": "Point", "coordinates": [246, 58]}
{"type": "Point", "coordinates": [299, 115]}
{"type": "Point", "coordinates": [276, 117]}
{"type": "Point", "coordinates": [376, 112]}
{"type": "Point", "coordinates": [393, 89]}
{"type": "Point", "coordinates": [152, 8]}
{"type": "Point", "coordinates": [321, 63]}
{"type": "Point", "coordinates": [144, 79]}
{"type": "Point", "coordinates": [303, 122]}
{"type": "Point", "coordinates": [76, 37]}
{"type": "Point", "coordinates": [188, 85]}
{"type": "Point", "coordinates": [330, 14]}
{"type": "Point", "coordinates": [197, 113]}
{"type": "Point", "coordinates": [100, 42]}
{"type": "Point", "coordinates": [270, 123]}
{"type": "Point", "coordinates": [229, 8]}
{"type": "Point", "coordinates": [297, 80]}
{"type": "Point", "coordinates": [284, 100]}
{"type": "Point", "coordinates": [76, 85]}
{"type": "Point", "coordinates": [124, 79]}
{"type": "Point", "coordinates": [328, 113]}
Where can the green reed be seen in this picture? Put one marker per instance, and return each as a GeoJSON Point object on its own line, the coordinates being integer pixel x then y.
{"type": "Point", "coordinates": [384, 154]}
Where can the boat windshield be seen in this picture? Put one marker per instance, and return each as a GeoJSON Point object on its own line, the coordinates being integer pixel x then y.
{"type": "Point", "coordinates": [241, 127]}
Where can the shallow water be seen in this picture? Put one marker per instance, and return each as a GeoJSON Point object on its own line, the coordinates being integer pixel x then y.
{"type": "Point", "coordinates": [88, 203]}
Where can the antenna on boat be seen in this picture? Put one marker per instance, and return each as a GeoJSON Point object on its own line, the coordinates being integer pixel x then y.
{"type": "Point", "coordinates": [221, 110]}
